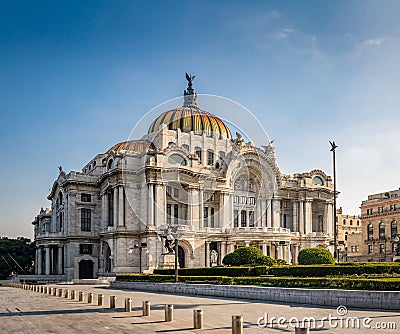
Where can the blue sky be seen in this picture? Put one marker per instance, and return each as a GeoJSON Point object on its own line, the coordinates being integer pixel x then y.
{"type": "Point", "coordinates": [77, 75]}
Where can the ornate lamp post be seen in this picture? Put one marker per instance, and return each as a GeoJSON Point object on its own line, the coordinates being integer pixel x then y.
{"type": "Point", "coordinates": [397, 239]}
{"type": "Point", "coordinates": [333, 150]}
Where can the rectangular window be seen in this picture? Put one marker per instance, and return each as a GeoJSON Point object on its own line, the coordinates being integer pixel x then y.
{"type": "Point", "coordinates": [86, 197]}
{"type": "Point", "coordinates": [382, 249]}
{"type": "Point", "coordinates": [394, 247]}
{"type": "Point", "coordinates": [198, 152]}
{"type": "Point", "coordinates": [86, 220]}
{"type": "Point", "coordinates": [176, 192]}
{"type": "Point", "coordinates": [235, 218]}
{"type": "Point", "coordinates": [252, 200]}
{"type": "Point", "coordinates": [169, 213]}
{"type": "Point", "coordinates": [176, 211]}
{"type": "Point", "coordinates": [243, 200]}
{"type": "Point", "coordinates": [210, 158]}
{"type": "Point", "coordinates": [370, 249]}
{"type": "Point", "coordinates": [236, 199]}
{"type": "Point", "coordinates": [86, 249]}
{"type": "Point", "coordinates": [169, 193]}
{"type": "Point", "coordinates": [205, 217]}
{"type": "Point", "coordinates": [251, 218]}
{"type": "Point", "coordinates": [243, 218]}
{"type": "Point", "coordinates": [212, 218]}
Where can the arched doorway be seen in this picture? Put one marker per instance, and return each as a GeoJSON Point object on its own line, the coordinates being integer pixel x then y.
{"type": "Point", "coordinates": [107, 257]}
{"type": "Point", "coordinates": [181, 257]}
{"type": "Point", "coordinates": [85, 269]}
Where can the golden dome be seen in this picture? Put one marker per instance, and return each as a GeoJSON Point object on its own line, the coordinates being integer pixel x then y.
{"type": "Point", "coordinates": [191, 118]}
{"type": "Point", "coordinates": [132, 146]}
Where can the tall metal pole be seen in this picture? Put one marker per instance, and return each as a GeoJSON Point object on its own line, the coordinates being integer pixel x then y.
{"type": "Point", "coordinates": [140, 259]}
{"type": "Point", "coordinates": [333, 150]}
{"type": "Point", "coordinates": [176, 259]}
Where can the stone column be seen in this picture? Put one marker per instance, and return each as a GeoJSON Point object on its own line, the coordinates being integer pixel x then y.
{"type": "Point", "coordinates": [308, 216]}
{"type": "Point", "coordinates": [115, 205]}
{"type": "Point", "coordinates": [295, 205]}
{"type": "Point", "coordinates": [276, 213]}
{"type": "Point", "coordinates": [296, 248]}
{"type": "Point", "coordinates": [190, 206]}
{"type": "Point", "coordinates": [106, 209]}
{"type": "Point", "coordinates": [269, 213]}
{"type": "Point", "coordinates": [47, 265]}
{"type": "Point", "coordinates": [301, 217]}
{"type": "Point", "coordinates": [201, 208]}
{"type": "Point", "coordinates": [121, 207]}
{"type": "Point", "coordinates": [230, 247]}
{"type": "Point", "coordinates": [159, 204]}
{"type": "Point", "coordinates": [207, 254]}
{"type": "Point", "coordinates": [39, 261]}
{"type": "Point", "coordinates": [264, 248]}
{"type": "Point", "coordinates": [103, 211]}
{"type": "Point", "coordinates": [60, 259]}
{"type": "Point", "coordinates": [150, 205]}
{"type": "Point", "coordinates": [222, 249]}
{"type": "Point", "coordinates": [279, 251]}
{"type": "Point", "coordinates": [329, 219]}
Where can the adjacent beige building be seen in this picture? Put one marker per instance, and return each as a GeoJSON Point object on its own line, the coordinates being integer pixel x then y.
{"type": "Point", "coordinates": [349, 236]}
{"type": "Point", "coordinates": [190, 173]}
{"type": "Point", "coordinates": [380, 215]}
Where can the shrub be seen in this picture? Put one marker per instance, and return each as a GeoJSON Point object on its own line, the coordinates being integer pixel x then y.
{"type": "Point", "coordinates": [244, 256]}
{"type": "Point", "coordinates": [397, 260]}
{"type": "Point", "coordinates": [315, 256]}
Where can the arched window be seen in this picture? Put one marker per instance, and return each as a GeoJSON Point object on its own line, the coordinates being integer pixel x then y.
{"type": "Point", "coordinates": [351, 221]}
{"type": "Point", "coordinates": [344, 221]}
{"type": "Point", "coordinates": [186, 147]}
{"type": "Point", "coordinates": [318, 181]}
{"type": "Point", "coordinates": [393, 229]}
{"type": "Point", "coordinates": [381, 231]}
{"type": "Point", "coordinates": [370, 232]}
{"type": "Point", "coordinates": [110, 164]}
{"type": "Point", "coordinates": [176, 159]}
{"type": "Point", "coordinates": [345, 236]}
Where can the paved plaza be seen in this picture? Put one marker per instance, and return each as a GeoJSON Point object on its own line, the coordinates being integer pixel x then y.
{"type": "Point", "coordinates": [24, 311]}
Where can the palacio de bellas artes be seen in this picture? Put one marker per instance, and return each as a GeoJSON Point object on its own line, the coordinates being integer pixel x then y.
{"type": "Point", "coordinates": [194, 174]}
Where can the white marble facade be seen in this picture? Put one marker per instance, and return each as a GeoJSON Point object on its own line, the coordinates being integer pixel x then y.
{"type": "Point", "coordinates": [219, 192]}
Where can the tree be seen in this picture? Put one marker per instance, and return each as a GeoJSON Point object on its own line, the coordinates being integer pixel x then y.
{"type": "Point", "coordinates": [315, 256]}
{"type": "Point", "coordinates": [247, 256]}
{"type": "Point", "coordinates": [16, 256]}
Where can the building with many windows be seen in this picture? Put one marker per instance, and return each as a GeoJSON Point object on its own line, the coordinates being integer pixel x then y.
{"type": "Point", "coordinates": [349, 236]}
{"type": "Point", "coordinates": [380, 215]}
{"type": "Point", "coordinates": [188, 172]}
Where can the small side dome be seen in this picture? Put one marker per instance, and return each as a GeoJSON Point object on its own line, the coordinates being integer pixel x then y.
{"type": "Point", "coordinates": [132, 146]}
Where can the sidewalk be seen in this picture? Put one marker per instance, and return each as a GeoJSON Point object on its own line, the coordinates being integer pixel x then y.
{"type": "Point", "coordinates": [24, 311]}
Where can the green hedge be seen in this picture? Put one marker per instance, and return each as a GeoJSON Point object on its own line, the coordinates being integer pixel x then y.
{"type": "Point", "coordinates": [293, 270]}
{"type": "Point", "coordinates": [217, 271]}
{"type": "Point", "coordinates": [386, 284]}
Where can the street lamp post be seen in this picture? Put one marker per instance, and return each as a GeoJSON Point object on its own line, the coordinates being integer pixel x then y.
{"type": "Point", "coordinates": [333, 150]}
{"type": "Point", "coordinates": [140, 247]}
{"type": "Point", "coordinates": [397, 239]}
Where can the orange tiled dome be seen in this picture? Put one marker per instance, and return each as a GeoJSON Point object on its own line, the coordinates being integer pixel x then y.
{"type": "Point", "coordinates": [132, 146]}
{"type": "Point", "coordinates": [192, 119]}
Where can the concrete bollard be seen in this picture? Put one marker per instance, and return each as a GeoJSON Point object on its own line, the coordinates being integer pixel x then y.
{"type": "Point", "coordinates": [146, 308]}
{"type": "Point", "coordinates": [66, 293]}
{"type": "Point", "coordinates": [112, 301]}
{"type": "Point", "coordinates": [237, 324]}
{"type": "Point", "coordinates": [301, 330]}
{"type": "Point", "coordinates": [128, 304]}
{"type": "Point", "coordinates": [59, 292]}
{"type": "Point", "coordinates": [169, 312]}
{"type": "Point", "coordinates": [90, 298]}
{"type": "Point", "coordinates": [73, 295]}
{"type": "Point", "coordinates": [100, 300]}
{"type": "Point", "coordinates": [197, 319]}
{"type": "Point", "coordinates": [81, 296]}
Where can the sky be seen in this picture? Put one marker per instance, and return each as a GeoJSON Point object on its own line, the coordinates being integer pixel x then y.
{"type": "Point", "coordinates": [76, 76]}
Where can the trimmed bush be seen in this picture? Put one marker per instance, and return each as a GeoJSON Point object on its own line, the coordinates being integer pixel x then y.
{"type": "Point", "coordinates": [315, 256]}
{"type": "Point", "coordinates": [246, 256]}
{"type": "Point", "coordinates": [385, 284]}
{"type": "Point", "coordinates": [217, 271]}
